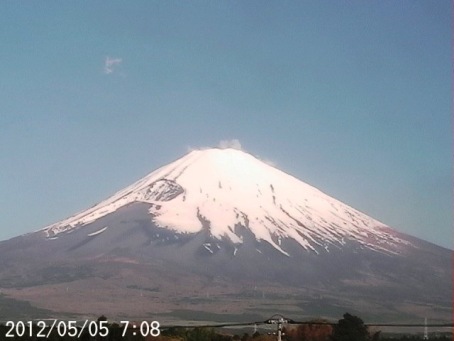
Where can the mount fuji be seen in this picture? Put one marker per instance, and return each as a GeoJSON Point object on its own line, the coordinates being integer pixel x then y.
{"type": "Point", "coordinates": [220, 232]}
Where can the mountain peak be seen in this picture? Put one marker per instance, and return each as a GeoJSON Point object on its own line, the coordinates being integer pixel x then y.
{"type": "Point", "coordinates": [222, 219]}
{"type": "Point", "coordinates": [222, 189]}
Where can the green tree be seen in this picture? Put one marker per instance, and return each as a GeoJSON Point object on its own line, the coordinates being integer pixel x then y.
{"type": "Point", "coordinates": [350, 328]}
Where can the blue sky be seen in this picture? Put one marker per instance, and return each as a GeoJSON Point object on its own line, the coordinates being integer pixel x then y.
{"type": "Point", "coordinates": [353, 97]}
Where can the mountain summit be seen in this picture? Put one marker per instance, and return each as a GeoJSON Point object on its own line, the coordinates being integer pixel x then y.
{"type": "Point", "coordinates": [221, 189]}
{"type": "Point", "coordinates": [218, 231]}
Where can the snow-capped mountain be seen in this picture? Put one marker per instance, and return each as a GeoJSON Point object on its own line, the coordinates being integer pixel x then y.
{"type": "Point", "coordinates": [220, 231]}
{"type": "Point", "coordinates": [227, 188]}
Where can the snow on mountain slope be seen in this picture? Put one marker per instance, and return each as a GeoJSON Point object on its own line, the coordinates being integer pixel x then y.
{"type": "Point", "coordinates": [227, 187]}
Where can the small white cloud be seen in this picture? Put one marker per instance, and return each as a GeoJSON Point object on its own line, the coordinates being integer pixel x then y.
{"type": "Point", "coordinates": [234, 144]}
{"type": "Point", "coordinates": [110, 64]}
{"type": "Point", "coordinates": [223, 144]}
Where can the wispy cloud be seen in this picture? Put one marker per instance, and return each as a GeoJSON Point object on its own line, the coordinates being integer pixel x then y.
{"type": "Point", "coordinates": [223, 144]}
{"type": "Point", "coordinates": [234, 143]}
{"type": "Point", "coordinates": [110, 64]}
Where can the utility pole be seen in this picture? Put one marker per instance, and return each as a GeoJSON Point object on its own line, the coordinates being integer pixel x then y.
{"type": "Point", "coordinates": [279, 320]}
{"type": "Point", "coordinates": [426, 333]}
